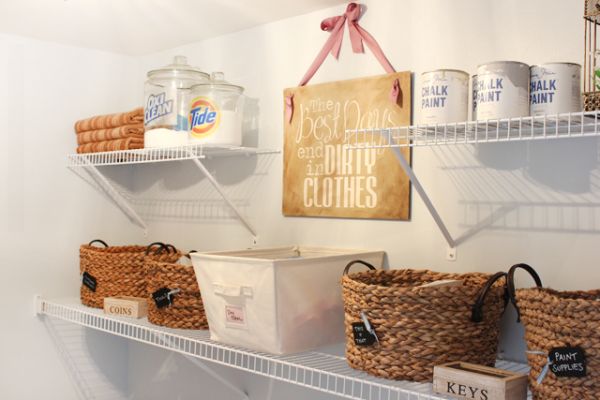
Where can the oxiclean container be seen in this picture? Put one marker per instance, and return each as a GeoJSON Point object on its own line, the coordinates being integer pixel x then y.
{"type": "Point", "coordinates": [215, 112]}
{"type": "Point", "coordinates": [502, 90]}
{"type": "Point", "coordinates": [166, 108]}
{"type": "Point", "coordinates": [555, 88]}
{"type": "Point", "coordinates": [444, 96]}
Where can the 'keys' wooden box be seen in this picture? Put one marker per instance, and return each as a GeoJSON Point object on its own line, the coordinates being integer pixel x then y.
{"type": "Point", "coordinates": [475, 382]}
{"type": "Point", "coordinates": [126, 306]}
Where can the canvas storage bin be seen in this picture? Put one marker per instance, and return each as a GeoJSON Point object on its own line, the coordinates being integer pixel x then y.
{"type": "Point", "coordinates": [421, 319]}
{"type": "Point", "coordinates": [559, 319]}
{"type": "Point", "coordinates": [278, 300]}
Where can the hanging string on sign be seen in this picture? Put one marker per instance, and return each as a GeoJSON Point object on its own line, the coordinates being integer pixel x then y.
{"type": "Point", "coordinates": [335, 25]}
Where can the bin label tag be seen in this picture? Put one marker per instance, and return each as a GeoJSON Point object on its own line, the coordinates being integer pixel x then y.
{"type": "Point", "coordinates": [362, 337]}
{"type": "Point", "coordinates": [235, 316]}
{"type": "Point", "coordinates": [567, 362]}
{"type": "Point", "coordinates": [89, 281]}
{"type": "Point", "coordinates": [163, 297]}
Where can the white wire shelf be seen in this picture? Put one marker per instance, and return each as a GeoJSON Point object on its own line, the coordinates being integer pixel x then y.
{"type": "Point", "coordinates": [152, 155]}
{"type": "Point", "coordinates": [559, 126]}
{"type": "Point", "coordinates": [319, 371]}
{"type": "Point", "coordinates": [86, 166]}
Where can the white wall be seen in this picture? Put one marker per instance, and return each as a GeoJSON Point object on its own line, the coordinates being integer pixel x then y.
{"type": "Point", "coordinates": [535, 202]}
{"type": "Point", "coordinates": [531, 202]}
{"type": "Point", "coordinates": [46, 212]}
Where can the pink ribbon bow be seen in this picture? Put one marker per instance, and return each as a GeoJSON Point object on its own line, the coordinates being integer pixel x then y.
{"type": "Point", "coordinates": [335, 25]}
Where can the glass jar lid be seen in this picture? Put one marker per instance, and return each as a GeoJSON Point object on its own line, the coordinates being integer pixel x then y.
{"type": "Point", "coordinates": [179, 69]}
{"type": "Point", "coordinates": [217, 81]}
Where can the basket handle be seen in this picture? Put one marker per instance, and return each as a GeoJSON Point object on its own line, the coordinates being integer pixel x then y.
{"type": "Point", "coordinates": [511, 284]}
{"type": "Point", "coordinates": [170, 248]}
{"type": "Point", "coordinates": [351, 263]}
{"type": "Point", "coordinates": [151, 245]}
{"type": "Point", "coordinates": [477, 310]}
{"type": "Point", "coordinates": [190, 252]}
{"type": "Point", "coordinates": [98, 241]}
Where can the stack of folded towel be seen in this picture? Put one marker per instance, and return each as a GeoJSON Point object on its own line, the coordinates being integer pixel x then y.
{"type": "Point", "coordinates": [123, 131]}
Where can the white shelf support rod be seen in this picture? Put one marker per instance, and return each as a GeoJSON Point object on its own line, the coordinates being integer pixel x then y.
{"type": "Point", "coordinates": [37, 305]}
{"type": "Point", "coordinates": [114, 194]}
{"type": "Point", "coordinates": [220, 190]}
{"type": "Point", "coordinates": [202, 365]}
{"type": "Point", "coordinates": [430, 207]}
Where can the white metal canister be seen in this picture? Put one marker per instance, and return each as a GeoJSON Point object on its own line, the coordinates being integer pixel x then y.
{"type": "Point", "coordinates": [502, 90]}
{"type": "Point", "coordinates": [474, 98]}
{"type": "Point", "coordinates": [444, 96]}
{"type": "Point", "coordinates": [555, 88]}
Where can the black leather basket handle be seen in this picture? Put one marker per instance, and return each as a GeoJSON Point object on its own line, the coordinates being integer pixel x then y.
{"type": "Point", "coordinates": [477, 310]}
{"type": "Point", "coordinates": [351, 263]}
{"type": "Point", "coordinates": [190, 252]}
{"type": "Point", "coordinates": [160, 245]}
{"type": "Point", "coordinates": [98, 241]}
{"type": "Point", "coordinates": [511, 284]}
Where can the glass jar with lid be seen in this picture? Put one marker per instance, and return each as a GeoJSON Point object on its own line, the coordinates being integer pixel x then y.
{"type": "Point", "coordinates": [215, 113]}
{"type": "Point", "coordinates": [167, 96]}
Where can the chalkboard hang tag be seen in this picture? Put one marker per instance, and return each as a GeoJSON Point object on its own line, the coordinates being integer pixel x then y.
{"type": "Point", "coordinates": [568, 362]}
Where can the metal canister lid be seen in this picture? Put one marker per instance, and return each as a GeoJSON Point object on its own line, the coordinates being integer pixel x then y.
{"type": "Point", "coordinates": [446, 70]}
{"type": "Point", "coordinates": [502, 62]}
{"type": "Point", "coordinates": [556, 63]}
{"type": "Point", "coordinates": [178, 69]}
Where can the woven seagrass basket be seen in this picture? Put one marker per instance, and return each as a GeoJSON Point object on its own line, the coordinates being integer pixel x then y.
{"type": "Point", "coordinates": [420, 327]}
{"type": "Point", "coordinates": [117, 270]}
{"type": "Point", "coordinates": [557, 319]}
{"type": "Point", "coordinates": [186, 310]}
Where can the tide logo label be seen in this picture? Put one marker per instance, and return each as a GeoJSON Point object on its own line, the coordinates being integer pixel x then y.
{"type": "Point", "coordinates": [204, 117]}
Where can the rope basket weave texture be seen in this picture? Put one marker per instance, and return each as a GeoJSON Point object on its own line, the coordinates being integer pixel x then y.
{"type": "Point", "coordinates": [418, 328]}
{"type": "Point", "coordinates": [118, 270]}
{"type": "Point", "coordinates": [556, 319]}
{"type": "Point", "coordinates": [186, 310]}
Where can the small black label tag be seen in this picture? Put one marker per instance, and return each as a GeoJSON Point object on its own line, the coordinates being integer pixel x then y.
{"type": "Point", "coordinates": [568, 362]}
{"type": "Point", "coordinates": [362, 337]}
{"type": "Point", "coordinates": [89, 281]}
{"type": "Point", "coordinates": [162, 298]}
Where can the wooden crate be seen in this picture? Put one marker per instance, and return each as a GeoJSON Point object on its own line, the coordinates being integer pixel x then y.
{"type": "Point", "coordinates": [126, 306]}
{"type": "Point", "coordinates": [475, 382]}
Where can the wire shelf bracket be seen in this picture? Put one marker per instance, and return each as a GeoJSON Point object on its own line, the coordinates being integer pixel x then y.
{"type": "Point", "coordinates": [315, 370]}
{"type": "Point", "coordinates": [545, 127]}
{"type": "Point", "coordinates": [86, 167]}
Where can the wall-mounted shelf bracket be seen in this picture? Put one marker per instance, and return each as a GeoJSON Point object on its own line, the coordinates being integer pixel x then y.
{"type": "Point", "coordinates": [544, 127]}
{"type": "Point", "coordinates": [86, 167]}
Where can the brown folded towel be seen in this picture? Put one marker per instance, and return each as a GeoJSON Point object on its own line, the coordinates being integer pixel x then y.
{"type": "Point", "coordinates": [101, 135]}
{"type": "Point", "coordinates": [129, 143]}
{"type": "Point", "coordinates": [110, 121]}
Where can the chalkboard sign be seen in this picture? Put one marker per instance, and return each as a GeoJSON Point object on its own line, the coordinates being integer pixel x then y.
{"type": "Point", "coordinates": [567, 362]}
{"type": "Point", "coordinates": [162, 297]}
{"type": "Point", "coordinates": [321, 178]}
{"type": "Point", "coordinates": [362, 337]}
{"type": "Point", "coordinates": [89, 281]}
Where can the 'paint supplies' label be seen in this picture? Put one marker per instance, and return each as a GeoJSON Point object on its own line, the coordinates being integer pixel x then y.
{"type": "Point", "coordinates": [204, 117]}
